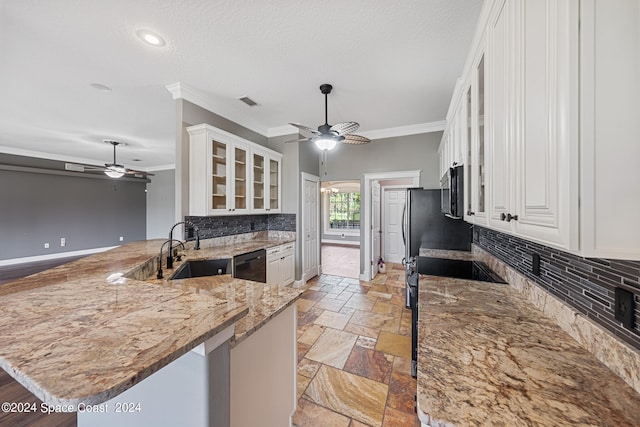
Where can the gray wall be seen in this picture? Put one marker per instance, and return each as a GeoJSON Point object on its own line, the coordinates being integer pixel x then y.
{"type": "Point", "coordinates": [297, 158]}
{"type": "Point", "coordinates": [161, 203]}
{"type": "Point", "coordinates": [290, 171]}
{"type": "Point", "coordinates": [89, 211]}
{"type": "Point", "coordinates": [402, 153]}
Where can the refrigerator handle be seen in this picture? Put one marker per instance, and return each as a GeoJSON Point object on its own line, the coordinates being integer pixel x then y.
{"type": "Point", "coordinates": [404, 223]}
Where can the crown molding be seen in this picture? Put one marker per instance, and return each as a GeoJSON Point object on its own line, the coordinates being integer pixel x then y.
{"type": "Point", "coordinates": [405, 130]}
{"type": "Point", "coordinates": [160, 168]}
{"type": "Point", "coordinates": [69, 159]}
{"type": "Point", "coordinates": [181, 90]}
{"type": "Point", "coordinates": [281, 131]}
{"type": "Point", "coordinates": [48, 156]}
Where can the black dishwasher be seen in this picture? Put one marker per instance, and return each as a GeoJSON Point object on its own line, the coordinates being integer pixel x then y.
{"type": "Point", "coordinates": [251, 266]}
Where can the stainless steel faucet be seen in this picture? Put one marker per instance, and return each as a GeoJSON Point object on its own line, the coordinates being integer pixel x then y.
{"type": "Point", "coordinates": [196, 247]}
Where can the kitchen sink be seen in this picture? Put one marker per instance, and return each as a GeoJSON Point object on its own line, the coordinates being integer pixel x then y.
{"type": "Point", "coordinates": [202, 268]}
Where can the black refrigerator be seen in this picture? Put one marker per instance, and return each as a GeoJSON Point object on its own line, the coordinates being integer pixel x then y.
{"type": "Point", "coordinates": [425, 226]}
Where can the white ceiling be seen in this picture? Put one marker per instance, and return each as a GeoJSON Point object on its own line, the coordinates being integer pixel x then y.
{"type": "Point", "coordinates": [393, 63]}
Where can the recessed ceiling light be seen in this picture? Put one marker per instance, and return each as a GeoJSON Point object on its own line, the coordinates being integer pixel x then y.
{"type": "Point", "coordinates": [151, 38]}
{"type": "Point", "coordinates": [100, 87]}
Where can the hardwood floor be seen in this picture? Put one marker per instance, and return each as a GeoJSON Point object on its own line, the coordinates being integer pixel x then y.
{"type": "Point", "coordinates": [341, 260]}
{"type": "Point", "coordinates": [12, 272]}
{"type": "Point", "coordinates": [354, 353]}
{"type": "Point", "coordinates": [11, 391]}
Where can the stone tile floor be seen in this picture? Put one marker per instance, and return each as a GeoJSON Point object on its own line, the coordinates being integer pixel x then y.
{"type": "Point", "coordinates": [354, 353]}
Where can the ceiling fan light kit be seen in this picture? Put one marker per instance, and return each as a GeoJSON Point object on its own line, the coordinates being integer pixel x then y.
{"type": "Point", "coordinates": [115, 171]}
{"type": "Point", "coordinates": [327, 136]}
{"type": "Point", "coordinates": [325, 143]}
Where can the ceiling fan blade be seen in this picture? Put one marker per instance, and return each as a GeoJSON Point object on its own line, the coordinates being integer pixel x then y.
{"type": "Point", "coordinates": [345, 128]}
{"type": "Point", "coordinates": [93, 168]}
{"type": "Point", "coordinates": [136, 173]}
{"type": "Point", "coordinates": [356, 139]}
{"type": "Point", "coordinates": [298, 140]}
{"type": "Point", "coordinates": [305, 128]}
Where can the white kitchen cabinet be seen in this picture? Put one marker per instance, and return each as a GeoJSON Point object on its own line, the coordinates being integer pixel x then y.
{"type": "Point", "coordinates": [545, 128]}
{"type": "Point", "coordinates": [266, 177]}
{"type": "Point", "coordinates": [500, 113]}
{"type": "Point", "coordinates": [550, 159]}
{"type": "Point", "coordinates": [222, 169]}
{"type": "Point", "coordinates": [531, 141]}
{"type": "Point", "coordinates": [281, 265]}
{"type": "Point", "coordinates": [475, 166]}
{"type": "Point", "coordinates": [609, 128]}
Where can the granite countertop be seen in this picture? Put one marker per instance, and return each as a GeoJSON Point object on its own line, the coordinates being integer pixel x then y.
{"type": "Point", "coordinates": [88, 330]}
{"type": "Point", "coordinates": [486, 356]}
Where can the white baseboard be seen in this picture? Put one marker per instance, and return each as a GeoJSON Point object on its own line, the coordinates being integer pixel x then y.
{"type": "Point", "coordinates": [364, 278]}
{"type": "Point", "coordinates": [58, 255]}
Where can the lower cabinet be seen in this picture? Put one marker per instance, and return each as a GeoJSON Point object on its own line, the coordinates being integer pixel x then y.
{"type": "Point", "coordinates": [281, 265]}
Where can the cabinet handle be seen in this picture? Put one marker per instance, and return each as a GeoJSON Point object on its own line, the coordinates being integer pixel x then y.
{"type": "Point", "coordinates": [470, 213]}
{"type": "Point", "coordinates": [508, 217]}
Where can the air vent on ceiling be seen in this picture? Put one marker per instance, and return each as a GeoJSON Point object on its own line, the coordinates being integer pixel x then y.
{"type": "Point", "coordinates": [250, 102]}
{"type": "Point", "coordinates": [73, 167]}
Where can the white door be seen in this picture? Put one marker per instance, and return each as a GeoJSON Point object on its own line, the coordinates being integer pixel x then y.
{"type": "Point", "coordinates": [392, 230]}
{"type": "Point", "coordinates": [310, 243]}
{"type": "Point", "coordinates": [375, 227]}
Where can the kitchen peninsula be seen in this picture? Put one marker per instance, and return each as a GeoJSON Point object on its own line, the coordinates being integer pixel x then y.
{"type": "Point", "coordinates": [104, 327]}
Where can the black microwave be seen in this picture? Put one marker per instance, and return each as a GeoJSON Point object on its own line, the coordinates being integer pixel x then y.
{"type": "Point", "coordinates": [452, 192]}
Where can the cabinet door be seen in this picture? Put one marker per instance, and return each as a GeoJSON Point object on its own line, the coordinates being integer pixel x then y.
{"type": "Point", "coordinates": [240, 169]}
{"type": "Point", "coordinates": [287, 268]}
{"type": "Point", "coordinates": [258, 180]}
{"type": "Point", "coordinates": [273, 265]}
{"type": "Point", "coordinates": [478, 143]}
{"type": "Point", "coordinates": [273, 271]}
{"type": "Point", "coordinates": [274, 185]}
{"type": "Point", "coordinates": [468, 157]}
{"type": "Point", "coordinates": [219, 178]}
{"type": "Point", "coordinates": [500, 116]}
{"type": "Point", "coordinates": [546, 180]}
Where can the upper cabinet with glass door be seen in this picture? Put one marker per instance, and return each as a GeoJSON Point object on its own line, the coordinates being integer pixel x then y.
{"type": "Point", "coordinates": [266, 181]}
{"type": "Point", "coordinates": [226, 177]}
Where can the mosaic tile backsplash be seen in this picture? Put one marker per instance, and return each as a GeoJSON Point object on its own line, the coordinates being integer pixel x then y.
{"type": "Point", "coordinates": [219, 226]}
{"type": "Point", "coordinates": [587, 284]}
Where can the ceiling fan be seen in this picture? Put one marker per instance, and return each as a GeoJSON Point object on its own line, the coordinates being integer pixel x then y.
{"type": "Point", "coordinates": [327, 136]}
{"type": "Point", "coordinates": [112, 170]}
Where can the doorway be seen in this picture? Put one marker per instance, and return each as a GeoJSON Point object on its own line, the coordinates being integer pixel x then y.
{"type": "Point", "coordinates": [386, 181]}
{"type": "Point", "coordinates": [340, 228]}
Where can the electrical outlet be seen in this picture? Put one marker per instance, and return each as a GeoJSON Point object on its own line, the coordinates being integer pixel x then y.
{"type": "Point", "coordinates": [63, 241]}
{"type": "Point", "coordinates": [342, 235]}
{"type": "Point", "coordinates": [624, 307]}
{"type": "Point", "coordinates": [46, 245]}
{"type": "Point", "coordinates": [121, 238]}
{"type": "Point", "coordinates": [535, 264]}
